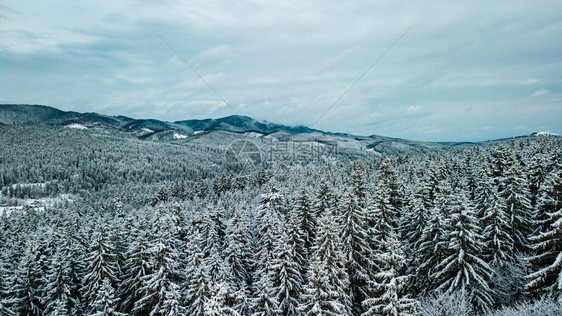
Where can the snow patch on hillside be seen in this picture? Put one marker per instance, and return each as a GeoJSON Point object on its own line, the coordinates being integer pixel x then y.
{"type": "Point", "coordinates": [179, 136]}
{"type": "Point", "coordinates": [254, 134]}
{"type": "Point", "coordinates": [148, 130]}
{"type": "Point", "coordinates": [76, 126]}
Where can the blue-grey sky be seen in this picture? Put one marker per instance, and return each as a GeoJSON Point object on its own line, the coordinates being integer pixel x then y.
{"type": "Point", "coordinates": [468, 70]}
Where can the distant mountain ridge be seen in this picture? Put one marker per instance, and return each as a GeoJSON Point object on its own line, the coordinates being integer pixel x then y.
{"type": "Point", "coordinates": [26, 113]}
{"type": "Point", "coordinates": [193, 129]}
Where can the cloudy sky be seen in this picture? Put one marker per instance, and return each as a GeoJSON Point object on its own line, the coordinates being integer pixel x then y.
{"type": "Point", "coordinates": [470, 70]}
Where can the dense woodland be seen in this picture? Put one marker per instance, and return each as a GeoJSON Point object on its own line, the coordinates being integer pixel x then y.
{"type": "Point", "coordinates": [152, 228]}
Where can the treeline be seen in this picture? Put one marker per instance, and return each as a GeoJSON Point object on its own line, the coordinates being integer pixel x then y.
{"type": "Point", "coordinates": [476, 231]}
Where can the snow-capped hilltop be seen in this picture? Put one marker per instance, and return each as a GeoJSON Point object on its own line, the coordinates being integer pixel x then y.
{"type": "Point", "coordinates": [539, 134]}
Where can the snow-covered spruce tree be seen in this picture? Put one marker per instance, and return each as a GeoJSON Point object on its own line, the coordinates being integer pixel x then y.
{"type": "Point", "coordinates": [384, 215]}
{"type": "Point", "coordinates": [237, 253]}
{"type": "Point", "coordinates": [101, 265]}
{"type": "Point", "coordinates": [484, 191]}
{"type": "Point", "coordinates": [160, 289]}
{"type": "Point", "coordinates": [196, 288]}
{"type": "Point", "coordinates": [499, 252]}
{"type": "Point", "coordinates": [286, 278]}
{"type": "Point", "coordinates": [327, 290]}
{"type": "Point", "coordinates": [297, 243]}
{"type": "Point", "coordinates": [213, 229]}
{"type": "Point", "coordinates": [269, 228]}
{"type": "Point", "coordinates": [547, 263]}
{"type": "Point", "coordinates": [431, 251]}
{"type": "Point", "coordinates": [61, 286]}
{"type": "Point", "coordinates": [463, 267]}
{"type": "Point", "coordinates": [388, 284]}
{"type": "Point", "coordinates": [307, 217]}
{"type": "Point", "coordinates": [220, 301]}
{"type": "Point", "coordinates": [415, 221]}
{"type": "Point", "coordinates": [388, 178]}
{"type": "Point", "coordinates": [105, 303]}
{"type": "Point", "coordinates": [500, 163]}
{"type": "Point", "coordinates": [137, 264]}
{"type": "Point", "coordinates": [25, 291]}
{"type": "Point", "coordinates": [324, 200]}
{"type": "Point", "coordinates": [516, 194]}
{"type": "Point", "coordinates": [5, 278]}
{"type": "Point", "coordinates": [548, 199]}
{"type": "Point", "coordinates": [357, 250]}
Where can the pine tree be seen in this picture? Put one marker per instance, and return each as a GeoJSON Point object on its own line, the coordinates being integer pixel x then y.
{"type": "Point", "coordinates": [327, 288]}
{"type": "Point", "coordinates": [388, 283]}
{"type": "Point", "coordinates": [463, 268]}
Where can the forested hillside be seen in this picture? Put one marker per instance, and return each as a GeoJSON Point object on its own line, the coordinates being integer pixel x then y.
{"type": "Point", "coordinates": [162, 228]}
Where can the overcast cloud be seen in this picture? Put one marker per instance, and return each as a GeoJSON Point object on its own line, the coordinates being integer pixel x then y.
{"type": "Point", "coordinates": [471, 70]}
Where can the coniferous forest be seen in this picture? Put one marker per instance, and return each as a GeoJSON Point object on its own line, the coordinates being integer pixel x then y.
{"type": "Point", "coordinates": [152, 228]}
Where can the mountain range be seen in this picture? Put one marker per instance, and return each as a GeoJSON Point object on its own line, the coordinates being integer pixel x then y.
{"type": "Point", "coordinates": [211, 129]}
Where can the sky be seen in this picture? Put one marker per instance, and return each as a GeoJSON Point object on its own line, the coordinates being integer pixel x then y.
{"type": "Point", "coordinates": [466, 70]}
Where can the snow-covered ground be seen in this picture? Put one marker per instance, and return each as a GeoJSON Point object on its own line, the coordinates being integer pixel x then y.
{"type": "Point", "coordinates": [8, 206]}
